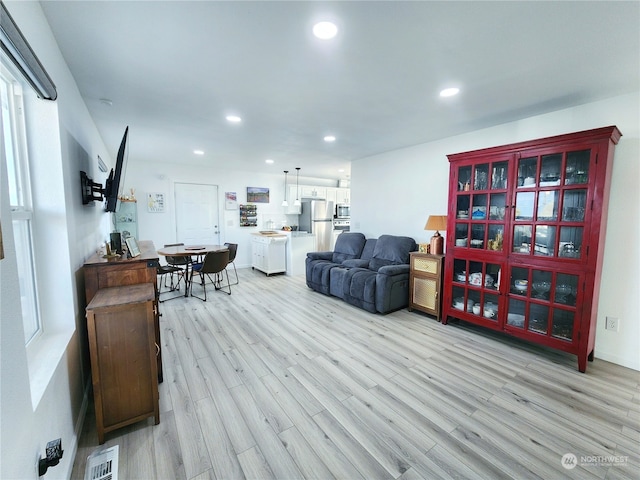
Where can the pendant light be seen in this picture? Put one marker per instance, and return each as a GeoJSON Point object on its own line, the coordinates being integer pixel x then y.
{"type": "Point", "coordinates": [284, 202]}
{"type": "Point", "coordinates": [297, 202]}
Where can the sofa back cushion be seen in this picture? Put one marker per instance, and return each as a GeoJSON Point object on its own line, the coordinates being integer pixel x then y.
{"type": "Point", "coordinates": [391, 250]}
{"type": "Point", "coordinates": [369, 246]}
{"type": "Point", "coordinates": [348, 245]}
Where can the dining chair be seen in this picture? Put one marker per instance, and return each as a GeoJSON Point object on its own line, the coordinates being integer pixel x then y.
{"type": "Point", "coordinates": [233, 249]}
{"type": "Point", "coordinates": [215, 263]}
{"type": "Point", "coordinates": [165, 271]}
{"type": "Point", "coordinates": [180, 262]}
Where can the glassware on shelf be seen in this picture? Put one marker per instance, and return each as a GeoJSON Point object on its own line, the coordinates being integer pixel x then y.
{"type": "Point", "coordinates": [499, 176]}
{"type": "Point", "coordinates": [495, 243]}
{"type": "Point", "coordinates": [562, 324]}
{"type": "Point", "coordinates": [577, 167]}
{"type": "Point", "coordinates": [481, 174]}
{"type": "Point", "coordinates": [542, 289]}
{"type": "Point", "coordinates": [538, 318]}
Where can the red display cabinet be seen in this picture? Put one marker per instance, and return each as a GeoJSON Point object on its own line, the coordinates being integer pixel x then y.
{"type": "Point", "coordinates": [525, 238]}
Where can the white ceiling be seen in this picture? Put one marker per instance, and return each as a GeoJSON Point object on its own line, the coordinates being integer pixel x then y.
{"type": "Point", "coordinates": [174, 69]}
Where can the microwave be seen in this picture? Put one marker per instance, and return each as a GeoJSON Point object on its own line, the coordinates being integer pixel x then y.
{"type": "Point", "coordinates": [343, 210]}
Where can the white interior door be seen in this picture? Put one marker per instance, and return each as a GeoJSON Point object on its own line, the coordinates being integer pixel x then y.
{"type": "Point", "coordinates": [197, 214]}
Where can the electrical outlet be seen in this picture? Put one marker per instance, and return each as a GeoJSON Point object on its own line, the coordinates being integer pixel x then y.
{"type": "Point", "coordinates": [612, 323]}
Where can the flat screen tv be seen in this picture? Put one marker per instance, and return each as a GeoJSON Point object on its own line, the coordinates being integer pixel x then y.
{"type": "Point", "coordinates": [114, 184]}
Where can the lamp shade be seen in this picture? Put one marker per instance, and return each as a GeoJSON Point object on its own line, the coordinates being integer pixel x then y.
{"type": "Point", "coordinates": [436, 222]}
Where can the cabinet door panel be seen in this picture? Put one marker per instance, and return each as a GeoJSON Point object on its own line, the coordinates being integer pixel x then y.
{"type": "Point", "coordinates": [577, 167]}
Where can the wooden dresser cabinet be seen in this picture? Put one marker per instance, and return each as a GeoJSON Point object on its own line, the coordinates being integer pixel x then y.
{"type": "Point", "coordinates": [117, 272]}
{"type": "Point", "coordinates": [425, 283]}
{"type": "Point", "coordinates": [122, 344]}
{"type": "Point", "coordinates": [525, 238]}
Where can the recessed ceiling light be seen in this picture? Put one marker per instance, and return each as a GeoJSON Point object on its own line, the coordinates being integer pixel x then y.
{"type": "Point", "coordinates": [341, 170]}
{"type": "Point", "coordinates": [325, 30]}
{"type": "Point", "coordinates": [449, 92]}
{"type": "Point", "coordinates": [269, 161]}
{"type": "Point", "coordinates": [198, 152]}
{"type": "Point", "coordinates": [329, 138]}
{"type": "Point", "coordinates": [233, 119]}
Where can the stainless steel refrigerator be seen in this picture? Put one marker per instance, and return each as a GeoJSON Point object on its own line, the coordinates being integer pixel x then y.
{"type": "Point", "coordinates": [317, 218]}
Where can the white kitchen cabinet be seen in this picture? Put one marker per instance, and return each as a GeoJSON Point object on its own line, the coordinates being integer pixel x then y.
{"type": "Point", "coordinates": [339, 196]}
{"type": "Point", "coordinates": [310, 191]}
{"type": "Point", "coordinates": [332, 195]}
{"type": "Point", "coordinates": [268, 253]}
{"type": "Point", "coordinates": [343, 196]}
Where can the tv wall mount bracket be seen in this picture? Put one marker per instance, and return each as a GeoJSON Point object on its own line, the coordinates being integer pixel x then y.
{"type": "Point", "coordinates": [91, 191]}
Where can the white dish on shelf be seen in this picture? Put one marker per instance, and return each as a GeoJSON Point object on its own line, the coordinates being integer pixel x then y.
{"type": "Point", "coordinates": [515, 320]}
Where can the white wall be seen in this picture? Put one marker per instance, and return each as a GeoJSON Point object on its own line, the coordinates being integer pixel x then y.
{"type": "Point", "coordinates": [395, 193]}
{"type": "Point", "coordinates": [157, 177]}
{"type": "Point", "coordinates": [29, 420]}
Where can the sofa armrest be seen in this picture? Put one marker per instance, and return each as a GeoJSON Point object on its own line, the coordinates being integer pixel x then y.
{"type": "Point", "coordinates": [355, 263]}
{"type": "Point", "coordinates": [320, 256]}
{"type": "Point", "coordinates": [392, 288]}
{"type": "Point", "coordinates": [391, 270]}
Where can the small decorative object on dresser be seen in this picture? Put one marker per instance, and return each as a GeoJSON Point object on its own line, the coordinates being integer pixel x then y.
{"type": "Point", "coordinates": [436, 222]}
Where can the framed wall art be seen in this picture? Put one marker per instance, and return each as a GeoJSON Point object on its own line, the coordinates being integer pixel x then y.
{"type": "Point", "coordinates": [155, 202]}
{"type": "Point", "coordinates": [257, 195]}
{"type": "Point", "coordinates": [230, 201]}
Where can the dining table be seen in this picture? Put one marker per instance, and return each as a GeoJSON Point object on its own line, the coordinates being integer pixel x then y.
{"type": "Point", "coordinates": [193, 251]}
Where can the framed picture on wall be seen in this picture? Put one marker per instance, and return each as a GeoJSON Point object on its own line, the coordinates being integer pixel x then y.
{"type": "Point", "coordinates": [230, 201]}
{"type": "Point", "coordinates": [155, 202]}
{"type": "Point", "coordinates": [257, 195]}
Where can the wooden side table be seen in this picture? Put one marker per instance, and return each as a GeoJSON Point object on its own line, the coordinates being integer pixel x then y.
{"type": "Point", "coordinates": [425, 283]}
{"type": "Point", "coordinates": [120, 323]}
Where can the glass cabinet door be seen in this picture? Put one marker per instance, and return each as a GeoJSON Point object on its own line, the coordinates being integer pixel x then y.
{"type": "Point", "coordinates": [550, 205]}
{"type": "Point", "coordinates": [475, 288]}
{"type": "Point", "coordinates": [481, 204]}
{"type": "Point", "coordinates": [542, 302]}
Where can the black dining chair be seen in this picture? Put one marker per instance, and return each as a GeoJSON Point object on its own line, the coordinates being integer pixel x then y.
{"type": "Point", "coordinates": [214, 264]}
{"type": "Point", "coordinates": [176, 267]}
{"type": "Point", "coordinates": [233, 249]}
{"type": "Point", "coordinates": [165, 271]}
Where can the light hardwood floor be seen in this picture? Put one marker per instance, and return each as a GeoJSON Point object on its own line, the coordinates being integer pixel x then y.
{"type": "Point", "coordinates": [277, 381]}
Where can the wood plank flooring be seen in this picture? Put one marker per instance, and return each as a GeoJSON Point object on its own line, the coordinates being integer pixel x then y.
{"type": "Point", "coordinates": [279, 382]}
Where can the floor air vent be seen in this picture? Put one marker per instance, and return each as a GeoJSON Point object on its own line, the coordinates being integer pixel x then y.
{"type": "Point", "coordinates": [102, 465]}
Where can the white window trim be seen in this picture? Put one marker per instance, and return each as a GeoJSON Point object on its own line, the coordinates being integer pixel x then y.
{"type": "Point", "coordinates": [47, 352]}
{"type": "Point", "coordinates": [23, 212]}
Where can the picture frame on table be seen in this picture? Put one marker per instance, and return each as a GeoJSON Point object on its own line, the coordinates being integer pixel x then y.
{"type": "Point", "coordinates": [133, 247]}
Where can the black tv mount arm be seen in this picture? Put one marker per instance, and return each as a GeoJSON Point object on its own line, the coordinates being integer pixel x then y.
{"type": "Point", "coordinates": [91, 191]}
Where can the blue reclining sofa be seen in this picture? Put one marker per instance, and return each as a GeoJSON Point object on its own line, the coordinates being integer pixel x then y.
{"type": "Point", "coordinates": [372, 274]}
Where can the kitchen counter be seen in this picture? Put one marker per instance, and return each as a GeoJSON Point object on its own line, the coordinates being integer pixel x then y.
{"type": "Point", "coordinates": [269, 233]}
{"type": "Point", "coordinates": [268, 252]}
{"type": "Point", "coordinates": [298, 245]}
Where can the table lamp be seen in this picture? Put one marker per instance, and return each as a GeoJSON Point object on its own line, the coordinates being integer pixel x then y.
{"type": "Point", "coordinates": [436, 222]}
